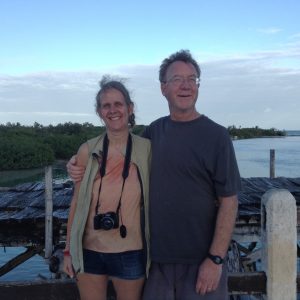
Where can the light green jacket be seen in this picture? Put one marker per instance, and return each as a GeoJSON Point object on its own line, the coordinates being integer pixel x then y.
{"type": "Point", "coordinates": [140, 156]}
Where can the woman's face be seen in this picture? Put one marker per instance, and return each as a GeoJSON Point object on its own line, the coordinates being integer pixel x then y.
{"type": "Point", "coordinates": [114, 111]}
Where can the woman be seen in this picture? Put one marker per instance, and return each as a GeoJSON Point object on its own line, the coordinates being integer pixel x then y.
{"type": "Point", "coordinates": [105, 238]}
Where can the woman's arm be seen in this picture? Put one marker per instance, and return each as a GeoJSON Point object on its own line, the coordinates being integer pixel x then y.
{"type": "Point", "coordinates": [82, 158]}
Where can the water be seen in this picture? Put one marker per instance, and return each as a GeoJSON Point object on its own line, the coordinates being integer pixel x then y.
{"type": "Point", "coordinates": [34, 268]}
{"type": "Point", "coordinates": [14, 177]}
{"type": "Point", "coordinates": [253, 158]}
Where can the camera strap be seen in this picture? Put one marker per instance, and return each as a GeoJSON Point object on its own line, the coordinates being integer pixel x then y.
{"type": "Point", "coordinates": [125, 172]}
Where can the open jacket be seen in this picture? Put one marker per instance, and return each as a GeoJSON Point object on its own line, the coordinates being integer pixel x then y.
{"type": "Point", "coordinates": [141, 157]}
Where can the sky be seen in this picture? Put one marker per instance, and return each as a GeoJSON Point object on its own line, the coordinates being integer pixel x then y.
{"type": "Point", "coordinates": [54, 53]}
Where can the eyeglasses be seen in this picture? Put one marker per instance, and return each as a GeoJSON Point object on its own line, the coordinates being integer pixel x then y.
{"type": "Point", "coordinates": [179, 80]}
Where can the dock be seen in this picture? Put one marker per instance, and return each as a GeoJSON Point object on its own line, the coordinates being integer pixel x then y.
{"type": "Point", "coordinates": [23, 215]}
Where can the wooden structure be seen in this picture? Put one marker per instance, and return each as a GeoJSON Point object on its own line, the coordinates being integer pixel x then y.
{"type": "Point", "coordinates": [22, 223]}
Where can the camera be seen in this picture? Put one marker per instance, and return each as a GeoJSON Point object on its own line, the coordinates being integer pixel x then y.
{"type": "Point", "coordinates": [106, 221]}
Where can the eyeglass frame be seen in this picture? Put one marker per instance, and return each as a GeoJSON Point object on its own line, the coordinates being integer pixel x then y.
{"type": "Point", "coordinates": [178, 80]}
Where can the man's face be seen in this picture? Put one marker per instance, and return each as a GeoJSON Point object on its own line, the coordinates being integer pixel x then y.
{"type": "Point", "coordinates": [181, 87]}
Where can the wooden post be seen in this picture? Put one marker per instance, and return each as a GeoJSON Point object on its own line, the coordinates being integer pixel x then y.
{"type": "Point", "coordinates": [279, 243]}
{"type": "Point", "coordinates": [272, 163]}
{"type": "Point", "coordinates": [48, 212]}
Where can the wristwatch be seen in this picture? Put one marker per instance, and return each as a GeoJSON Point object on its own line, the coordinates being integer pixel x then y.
{"type": "Point", "coordinates": [218, 260]}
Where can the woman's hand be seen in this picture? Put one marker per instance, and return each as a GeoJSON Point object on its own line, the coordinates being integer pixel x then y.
{"type": "Point", "coordinates": [68, 267]}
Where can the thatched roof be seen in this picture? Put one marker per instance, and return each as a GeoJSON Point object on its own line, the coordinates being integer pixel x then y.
{"type": "Point", "coordinates": [253, 188]}
{"type": "Point", "coordinates": [27, 201]}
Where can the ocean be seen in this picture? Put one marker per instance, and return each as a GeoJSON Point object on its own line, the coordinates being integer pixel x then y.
{"type": "Point", "coordinates": [253, 156]}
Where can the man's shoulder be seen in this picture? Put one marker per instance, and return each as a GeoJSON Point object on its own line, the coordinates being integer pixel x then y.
{"type": "Point", "coordinates": [214, 126]}
{"type": "Point", "coordinates": [158, 121]}
{"type": "Point", "coordinates": [154, 127]}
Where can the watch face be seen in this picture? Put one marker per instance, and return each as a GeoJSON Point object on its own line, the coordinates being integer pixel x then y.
{"type": "Point", "coordinates": [216, 259]}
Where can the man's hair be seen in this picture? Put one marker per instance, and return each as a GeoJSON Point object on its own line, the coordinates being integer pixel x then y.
{"type": "Point", "coordinates": [107, 83]}
{"type": "Point", "coordinates": [182, 55]}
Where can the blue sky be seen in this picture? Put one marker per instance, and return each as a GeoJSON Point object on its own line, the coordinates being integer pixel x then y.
{"type": "Point", "coordinates": [53, 53]}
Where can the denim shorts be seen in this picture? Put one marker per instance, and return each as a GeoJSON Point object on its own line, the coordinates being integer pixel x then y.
{"type": "Point", "coordinates": [124, 265]}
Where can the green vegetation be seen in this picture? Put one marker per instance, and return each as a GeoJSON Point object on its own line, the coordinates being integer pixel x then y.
{"type": "Point", "coordinates": [24, 147]}
{"type": "Point", "coordinates": [255, 132]}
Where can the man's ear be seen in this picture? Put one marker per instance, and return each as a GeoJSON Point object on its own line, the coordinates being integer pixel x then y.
{"type": "Point", "coordinates": [163, 88]}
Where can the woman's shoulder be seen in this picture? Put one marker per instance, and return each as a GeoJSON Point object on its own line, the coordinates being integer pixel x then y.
{"type": "Point", "coordinates": [95, 140]}
{"type": "Point", "coordinates": [141, 140]}
{"type": "Point", "coordinates": [95, 144]}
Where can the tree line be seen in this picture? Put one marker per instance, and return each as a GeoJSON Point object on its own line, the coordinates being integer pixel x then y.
{"type": "Point", "coordinates": [254, 132]}
{"type": "Point", "coordinates": [23, 147]}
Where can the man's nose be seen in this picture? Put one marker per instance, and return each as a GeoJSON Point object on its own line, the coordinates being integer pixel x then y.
{"type": "Point", "coordinates": [185, 83]}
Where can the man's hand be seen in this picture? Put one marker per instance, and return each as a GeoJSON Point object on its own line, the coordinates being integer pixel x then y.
{"type": "Point", "coordinates": [75, 172]}
{"type": "Point", "coordinates": [209, 275]}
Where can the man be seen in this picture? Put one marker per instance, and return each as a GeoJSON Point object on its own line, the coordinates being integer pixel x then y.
{"type": "Point", "coordinates": [193, 192]}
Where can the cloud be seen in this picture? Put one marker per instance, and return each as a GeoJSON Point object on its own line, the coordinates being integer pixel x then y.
{"type": "Point", "coordinates": [244, 90]}
{"type": "Point", "coordinates": [295, 36]}
{"type": "Point", "coordinates": [269, 30]}
{"type": "Point", "coordinates": [268, 110]}
{"type": "Point", "coordinates": [47, 114]}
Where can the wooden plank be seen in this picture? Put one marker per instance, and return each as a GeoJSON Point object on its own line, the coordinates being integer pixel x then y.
{"type": "Point", "coordinates": [12, 236]}
{"type": "Point", "coordinates": [27, 233]}
{"type": "Point", "coordinates": [66, 289]}
{"type": "Point", "coordinates": [54, 289]}
{"type": "Point", "coordinates": [48, 212]}
{"type": "Point", "coordinates": [247, 283]}
{"type": "Point", "coordinates": [272, 163]}
{"type": "Point", "coordinates": [246, 233]}
{"type": "Point", "coordinates": [19, 259]}
{"type": "Point", "coordinates": [5, 189]}
{"type": "Point", "coordinates": [39, 290]}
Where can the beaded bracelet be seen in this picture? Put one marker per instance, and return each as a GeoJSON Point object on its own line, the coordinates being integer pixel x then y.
{"type": "Point", "coordinates": [66, 252]}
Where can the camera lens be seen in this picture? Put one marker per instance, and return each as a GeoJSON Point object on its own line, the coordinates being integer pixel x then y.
{"type": "Point", "coordinates": [107, 223]}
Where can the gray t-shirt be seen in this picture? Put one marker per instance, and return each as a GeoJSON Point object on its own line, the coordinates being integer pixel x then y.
{"type": "Point", "coordinates": [192, 164]}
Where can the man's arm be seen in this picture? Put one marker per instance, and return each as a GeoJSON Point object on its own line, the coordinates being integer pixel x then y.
{"type": "Point", "coordinates": [209, 273]}
{"type": "Point", "coordinates": [75, 171]}
{"type": "Point", "coordinates": [228, 207]}
{"type": "Point", "coordinates": [81, 160]}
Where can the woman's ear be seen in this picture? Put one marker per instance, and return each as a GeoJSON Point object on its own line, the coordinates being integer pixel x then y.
{"type": "Point", "coordinates": [99, 112]}
{"type": "Point", "coordinates": [130, 109]}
